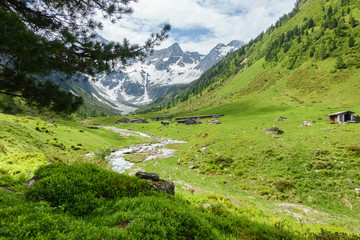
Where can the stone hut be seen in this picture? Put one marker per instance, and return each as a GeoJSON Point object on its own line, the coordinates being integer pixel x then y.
{"type": "Point", "coordinates": [123, 120]}
{"type": "Point", "coordinates": [343, 117]}
{"type": "Point", "coordinates": [138, 120]}
{"type": "Point", "coordinates": [165, 123]}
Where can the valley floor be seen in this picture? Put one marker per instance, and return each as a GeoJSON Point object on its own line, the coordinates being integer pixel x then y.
{"type": "Point", "coordinates": [301, 184]}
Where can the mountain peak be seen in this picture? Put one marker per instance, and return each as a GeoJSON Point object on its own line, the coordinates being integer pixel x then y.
{"type": "Point", "coordinates": [236, 43]}
{"type": "Point", "coordinates": [100, 39]}
{"type": "Point", "coordinates": [220, 45]}
{"type": "Point", "coordinates": [176, 49]}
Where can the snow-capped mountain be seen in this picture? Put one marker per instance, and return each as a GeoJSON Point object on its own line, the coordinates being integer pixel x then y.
{"type": "Point", "coordinates": [141, 83]}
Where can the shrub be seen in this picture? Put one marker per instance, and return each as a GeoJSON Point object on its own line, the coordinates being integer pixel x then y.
{"type": "Point", "coordinates": [325, 234]}
{"type": "Point", "coordinates": [80, 188]}
{"type": "Point", "coordinates": [284, 184]}
{"type": "Point", "coordinates": [354, 148]}
{"type": "Point", "coordinates": [58, 145]}
{"type": "Point", "coordinates": [160, 217]}
{"type": "Point", "coordinates": [340, 64]}
{"type": "Point", "coordinates": [239, 173]}
{"type": "Point", "coordinates": [2, 147]}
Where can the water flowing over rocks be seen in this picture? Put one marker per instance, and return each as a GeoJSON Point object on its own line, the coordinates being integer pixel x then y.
{"type": "Point", "coordinates": [152, 150]}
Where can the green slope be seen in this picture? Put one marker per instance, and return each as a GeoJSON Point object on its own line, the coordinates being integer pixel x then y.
{"type": "Point", "coordinates": [312, 52]}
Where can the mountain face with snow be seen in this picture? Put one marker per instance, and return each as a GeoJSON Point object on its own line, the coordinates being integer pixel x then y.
{"type": "Point", "coordinates": [141, 83]}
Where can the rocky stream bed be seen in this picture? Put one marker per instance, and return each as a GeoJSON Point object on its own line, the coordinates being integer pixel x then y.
{"type": "Point", "coordinates": [152, 151]}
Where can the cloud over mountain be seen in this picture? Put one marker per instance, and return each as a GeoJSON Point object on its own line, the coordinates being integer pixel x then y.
{"type": "Point", "coordinates": [201, 24]}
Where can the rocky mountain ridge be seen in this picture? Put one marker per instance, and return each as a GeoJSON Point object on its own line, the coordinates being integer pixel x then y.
{"type": "Point", "coordinates": [141, 83]}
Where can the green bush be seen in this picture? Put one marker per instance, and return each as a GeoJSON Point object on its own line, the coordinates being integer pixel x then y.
{"type": "Point", "coordinates": [284, 184]}
{"type": "Point", "coordinates": [2, 147]}
{"type": "Point", "coordinates": [163, 217]}
{"type": "Point", "coordinates": [354, 148]}
{"type": "Point", "coordinates": [57, 144]}
{"type": "Point", "coordinates": [80, 188]}
{"type": "Point", "coordinates": [324, 234]}
{"type": "Point", "coordinates": [27, 220]}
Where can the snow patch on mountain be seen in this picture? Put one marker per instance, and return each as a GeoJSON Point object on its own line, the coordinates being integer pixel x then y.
{"type": "Point", "coordinates": [141, 83]}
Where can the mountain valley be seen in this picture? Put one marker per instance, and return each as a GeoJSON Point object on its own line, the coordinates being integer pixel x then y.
{"type": "Point", "coordinates": [269, 164]}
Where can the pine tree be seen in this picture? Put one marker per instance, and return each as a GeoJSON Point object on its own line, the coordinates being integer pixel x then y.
{"type": "Point", "coordinates": [352, 21]}
{"type": "Point", "coordinates": [340, 64]}
{"type": "Point", "coordinates": [351, 42]}
{"type": "Point", "coordinates": [38, 37]}
{"type": "Point", "coordinates": [329, 12]}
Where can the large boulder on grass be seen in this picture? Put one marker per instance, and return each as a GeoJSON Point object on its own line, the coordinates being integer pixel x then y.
{"type": "Point", "coordinates": [163, 186]}
{"type": "Point", "coordinates": [273, 130]}
{"type": "Point", "coordinates": [307, 124]}
{"type": "Point", "coordinates": [145, 175]}
{"type": "Point", "coordinates": [156, 183]}
{"type": "Point", "coordinates": [214, 121]}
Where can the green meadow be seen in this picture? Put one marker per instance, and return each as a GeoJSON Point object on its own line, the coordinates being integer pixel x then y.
{"type": "Point", "coordinates": [313, 166]}
{"type": "Point", "coordinates": [27, 142]}
{"type": "Point", "coordinates": [233, 180]}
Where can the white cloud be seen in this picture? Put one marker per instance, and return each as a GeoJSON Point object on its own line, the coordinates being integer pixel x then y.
{"type": "Point", "coordinates": [226, 20]}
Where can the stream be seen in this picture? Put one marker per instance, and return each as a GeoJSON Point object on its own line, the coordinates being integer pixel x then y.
{"type": "Point", "coordinates": [152, 150]}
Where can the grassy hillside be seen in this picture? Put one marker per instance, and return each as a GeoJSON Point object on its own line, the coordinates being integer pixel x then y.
{"type": "Point", "coordinates": [27, 142]}
{"type": "Point", "coordinates": [309, 52]}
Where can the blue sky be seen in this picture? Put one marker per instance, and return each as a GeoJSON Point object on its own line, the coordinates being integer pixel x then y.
{"type": "Point", "coordinates": [198, 25]}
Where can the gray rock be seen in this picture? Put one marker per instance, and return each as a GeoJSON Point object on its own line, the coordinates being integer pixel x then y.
{"type": "Point", "coordinates": [31, 181]}
{"type": "Point", "coordinates": [156, 183]}
{"type": "Point", "coordinates": [7, 188]}
{"type": "Point", "coordinates": [50, 121]}
{"type": "Point", "coordinates": [163, 186]}
{"type": "Point", "coordinates": [214, 121]}
{"type": "Point", "coordinates": [273, 130]}
{"type": "Point", "coordinates": [307, 124]}
{"type": "Point", "coordinates": [145, 175]}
